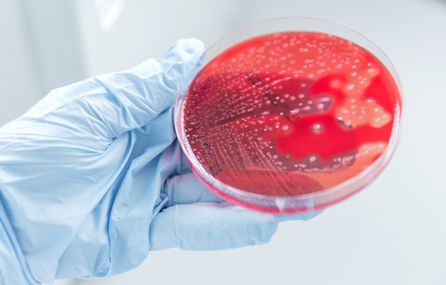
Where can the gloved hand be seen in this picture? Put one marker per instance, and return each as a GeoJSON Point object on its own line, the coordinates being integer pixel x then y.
{"type": "Point", "coordinates": [92, 178]}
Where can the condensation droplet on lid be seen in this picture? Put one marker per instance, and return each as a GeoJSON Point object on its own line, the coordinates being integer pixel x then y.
{"type": "Point", "coordinates": [325, 99]}
{"type": "Point", "coordinates": [317, 129]}
{"type": "Point", "coordinates": [335, 84]}
{"type": "Point", "coordinates": [294, 111]}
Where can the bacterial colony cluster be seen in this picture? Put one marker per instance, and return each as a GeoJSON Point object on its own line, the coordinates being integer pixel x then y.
{"type": "Point", "coordinates": [290, 113]}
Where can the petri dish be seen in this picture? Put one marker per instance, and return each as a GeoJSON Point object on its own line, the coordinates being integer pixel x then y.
{"type": "Point", "coordinates": [290, 115]}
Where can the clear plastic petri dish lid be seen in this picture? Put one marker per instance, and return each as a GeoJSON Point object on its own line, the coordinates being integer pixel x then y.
{"type": "Point", "coordinates": [290, 115]}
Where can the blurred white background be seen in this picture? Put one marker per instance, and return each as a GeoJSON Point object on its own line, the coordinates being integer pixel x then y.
{"type": "Point", "coordinates": [394, 232]}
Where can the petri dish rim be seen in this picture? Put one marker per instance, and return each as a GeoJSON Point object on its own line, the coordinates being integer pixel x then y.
{"type": "Point", "coordinates": [344, 189]}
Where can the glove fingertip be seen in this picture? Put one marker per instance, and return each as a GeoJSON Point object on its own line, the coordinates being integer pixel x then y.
{"type": "Point", "coordinates": [216, 226]}
{"type": "Point", "coordinates": [192, 46]}
{"type": "Point", "coordinates": [298, 217]}
{"type": "Point", "coordinates": [187, 51]}
{"type": "Point", "coordinates": [264, 230]}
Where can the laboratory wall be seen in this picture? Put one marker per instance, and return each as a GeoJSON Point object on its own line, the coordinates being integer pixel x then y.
{"type": "Point", "coordinates": [393, 232]}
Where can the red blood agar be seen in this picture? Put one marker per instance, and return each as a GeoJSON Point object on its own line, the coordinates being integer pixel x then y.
{"type": "Point", "coordinates": [290, 113]}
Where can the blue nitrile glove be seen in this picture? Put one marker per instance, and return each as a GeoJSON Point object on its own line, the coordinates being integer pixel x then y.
{"type": "Point", "coordinates": [92, 178]}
